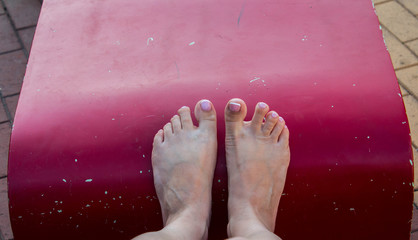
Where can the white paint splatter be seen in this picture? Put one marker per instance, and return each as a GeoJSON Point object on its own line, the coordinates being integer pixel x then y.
{"type": "Point", "coordinates": [410, 161]}
{"type": "Point", "coordinates": [403, 122]}
{"type": "Point", "coordinates": [149, 39]}
{"type": "Point", "coordinates": [75, 160]}
{"type": "Point", "coordinates": [89, 180]}
{"type": "Point", "coordinates": [140, 171]}
{"type": "Point", "coordinates": [352, 209]}
{"type": "Point", "coordinates": [88, 205]}
{"type": "Point", "coordinates": [60, 211]}
{"type": "Point", "coordinates": [105, 192]}
{"type": "Point", "coordinates": [143, 155]}
{"type": "Point", "coordinates": [255, 79]}
{"type": "Point", "coordinates": [113, 119]}
{"type": "Point", "coordinates": [64, 180]}
{"type": "Point", "coordinates": [192, 43]}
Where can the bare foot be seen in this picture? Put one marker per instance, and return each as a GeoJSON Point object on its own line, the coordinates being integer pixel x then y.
{"type": "Point", "coordinates": [183, 161]}
{"type": "Point", "coordinates": [257, 156]}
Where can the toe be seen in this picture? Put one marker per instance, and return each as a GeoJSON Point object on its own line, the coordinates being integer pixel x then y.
{"type": "Point", "coordinates": [158, 138]}
{"type": "Point", "coordinates": [260, 111]}
{"type": "Point", "coordinates": [205, 114]}
{"type": "Point", "coordinates": [284, 137]}
{"type": "Point", "coordinates": [271, 120]}
{"type": "Point", "coordinates": [185, 118]}
{"type": "Point", "coordinates": [175, 123]}
{"type": "Point", "coordinates": [168, 131]}
{"type": "Point", "coordinates": [277, 130]}
{"type": "Point", "coordinates": [235, 111]}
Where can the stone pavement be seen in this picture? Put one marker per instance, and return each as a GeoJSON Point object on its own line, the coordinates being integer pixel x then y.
{"type": "Point", "coordinates": [18, 19]}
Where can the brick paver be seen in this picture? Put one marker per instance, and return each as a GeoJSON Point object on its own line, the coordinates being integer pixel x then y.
{"type": "Point", "coordinates": [8, 39]}
{"type": "Point", "coordinates": [411, 5]}
{"type": "Point", "coordinates": [27, 36]}
{"type": "Point", "coordinates": [6, 230]}
{"type": "Point", "coordinates": [411, 105]}
{"type": "Point", "coordinates": [400, 54]}
{"type": "Point", "coordinates": [12, 70]}
{"type": "Point", "coordinates": [23, 12]}
{"type": "Point", "coordinates": [3, 115]}
{"type": "Point", "coordinates": [413, 45]}
{"type": "Point", "coordinates": [12, 104]}
{"type": "Point", "coordinates": [408, 77]}
{"type": "Point", "coordinates": [398, 20]}
{"type": "Point", "coordinates": [4, 147]}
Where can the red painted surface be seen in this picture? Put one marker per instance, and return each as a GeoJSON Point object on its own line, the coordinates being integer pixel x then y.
{"type": "Point", "coordinates": [104, 76]}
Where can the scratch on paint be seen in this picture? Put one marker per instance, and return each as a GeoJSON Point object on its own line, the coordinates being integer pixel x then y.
{"type": "Point", "coordinates": [241, 12]}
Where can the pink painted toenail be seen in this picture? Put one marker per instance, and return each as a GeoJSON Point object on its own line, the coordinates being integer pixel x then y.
{"type": "Point", "coordinates": [262, 105]}
{"type": "Point", "coordinates": [234, 107]}
{"type": "Point", "coordinates": [205, 105]}
{"type": "Point", "coordinates": [281, 119]}
{"type": "Point", "coordinates": [274, 115]}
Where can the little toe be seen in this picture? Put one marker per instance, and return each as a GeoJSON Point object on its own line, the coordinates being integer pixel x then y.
{"type": "Point", "coordinates": [260, 112]}
{"type": "Point", "coordinates": [158, 138]}
{"type": "Point", "coordinates": [205, 114]}
{"type": "Point", "coordinates": [278, 128]}
{"type": "Point", "coordinates": [168, 131]}
{"type": "Point", "coordinates": [175, 123]}
{"type": "Point", "coordinates": [271, 119]}
{"type": "Point", "coordinates": [185, 118]}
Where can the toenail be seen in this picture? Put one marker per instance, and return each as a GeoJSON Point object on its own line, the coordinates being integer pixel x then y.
{"type": "Point", "coordinates": [281, 119]}
{"type": "Point", "coordinates": [234, 107]}
{"type": "Point", "coordinates": [205, 105]}
{"type": "Point", "coordinates": [274, 115]}
{"type": "Point", "coordinates": [262, 105]}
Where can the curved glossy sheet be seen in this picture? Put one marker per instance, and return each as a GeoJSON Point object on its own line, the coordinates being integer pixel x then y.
{"type": "Point", "coordinates": [104, 76]}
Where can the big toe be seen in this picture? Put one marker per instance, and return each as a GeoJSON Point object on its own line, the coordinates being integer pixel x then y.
{"type": "Point", "coordinates": [235, 111]}
{"type": "Point", "coordinates": [205, 114]}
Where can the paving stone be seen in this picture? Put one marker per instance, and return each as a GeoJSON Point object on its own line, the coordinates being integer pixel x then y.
{"type": "Point", "coordinates": [12, 70]}
{"type": "Point", "coordinates": [413, 45]}
{"type": "Point", "coordinates": [411, 105]}
{"type": "Point", "coordinates": [404, 92]}
{"type": "Point", "coordinates": [1, 9]}
{"type": "Point", "coordinates": [400, 55]}
{"type": "Point", "coordinates": [24, 13]}
{"type": "Point", "coordinates": [411, 5]}
{"type": "Point", "coordinates": [398, 20]}
{"type": "Point", "coordinates": [12, 104]}
{"type": "Point", "coordinates": [27, 36]}
{"type": "Point", "coordinates": [409, 78]}
{"type": "Point", "coordinates": [5, 227]}
{"type": "Point", "coordinates": [414, 236]}
{"type": "Point", "coordinates": [5, 131]}
{"type": "Point", "coordinates": [3, 116]}
{"type": "Point", "coordinates": [379, 1]}
{"type": "Point", "coordinates": [8, 39]}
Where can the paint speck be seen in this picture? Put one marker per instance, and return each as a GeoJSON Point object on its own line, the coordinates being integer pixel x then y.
{"type": "Point", "coordinates": [399, 95]}
{"type": "Point", "coordinates": [76, 226]}
{"type": "Point", "coordinates": [352, 209]}
{"type": "Point", "coordinates": [114, 198]}
{"type": "Point", "coordinates": [149, 39]}
{"type": "Point", "coordinates": [117, 43]}
{"type": "Point", "coordinates": [219, 180]}
{"type": "Point", "coordinates": [60, 211]}
{"type": "Point", "coordinates": [113, 119]}
{"type": "Point", "coordinates": [305, 38]}
{"type": "Point", "coordinates": [403, 183]}
{"type": "Point", "coordinates": [329, 170]}
{"type": "Point", "coordinates": [410, 161]}
{"type": "Point", "coordinates": [140, 171]}
{"type": "Point", "coordinates": [105, 192]}
{"type": "Point", "coordinates": [368, 137]}
{"type": "Point", "coordinates": [19, 217]}
{"type": "Point", "coordinates": [355, 137]}
{"type": "Point", "coordinates": [89, 180]}
{"type": "Point", "coordinates": [192, 43]}
{"type": "Point", "coordinates": [143, 155]}
{"type": "Point", "coordinates": [371, 180]}
{"type": "Point", "coordinates": [88, 205]}
{"type": "Point", "coordinates": [149, 170]}
{"type": "Point", "coordinates": [354, 84]}
{"type": "Point", "coordinates": [332, 106]}
{"type": "Point", "coordinates": [336, 209]}
{"type": "Point", "coordinates": [110, 70]}
{"type": "Point", "coordinates": [64, 180]}
{"type": "Point", "coordinates": [75, 160]}
{"type": "Point", "coordinates": [114, 221]}
{"type": "Point", "coordinates": [403, 122]}
{"type": "Point", "coordinates": [255, 79]}
{"type": "Point", "coordinates": [120, 197]}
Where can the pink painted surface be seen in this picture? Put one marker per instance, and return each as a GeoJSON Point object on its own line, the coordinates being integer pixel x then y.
{"type": "Point", "coordinates": [104, 76]}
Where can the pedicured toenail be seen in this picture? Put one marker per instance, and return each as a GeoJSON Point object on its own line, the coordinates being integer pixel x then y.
{"type": "Point", "coordinates": [281, 119]}
{"type": "Point", "coordinates": [274, 115]}
{"type": "Point", "coordinates": [205, 105]}
{"type": "Point", "coordinates": [262, 105]}
{"type": "Point", "coordinates": [234, 107]}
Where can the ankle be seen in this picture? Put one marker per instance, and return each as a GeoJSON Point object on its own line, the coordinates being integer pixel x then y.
{"type": "Point", "coordinates": [246, 224]}
{"type": "Point", "coordinates": [188, 224]}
